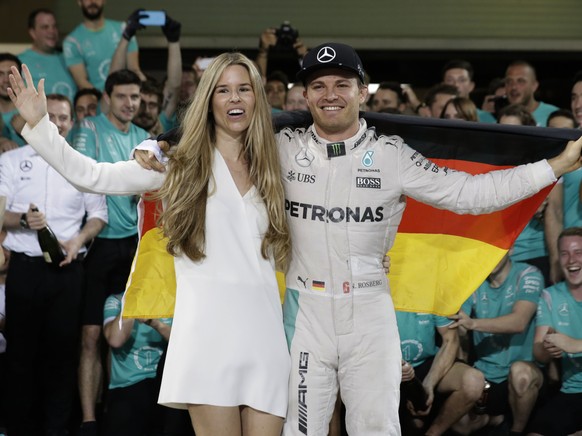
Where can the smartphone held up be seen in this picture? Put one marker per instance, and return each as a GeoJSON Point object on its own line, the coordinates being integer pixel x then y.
{"type": "Point", "coordinates": [152, 18]}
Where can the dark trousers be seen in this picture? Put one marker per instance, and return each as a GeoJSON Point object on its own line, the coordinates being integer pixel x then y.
{"type": "Point", "coordinates": [43, 305]}
{"type": "Point", "coordinates": [107, 268]}
{"type": "Point", "coordinates": [133, 411]}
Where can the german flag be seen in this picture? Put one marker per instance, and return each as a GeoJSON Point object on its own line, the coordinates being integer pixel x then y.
{"type": "Point", "coordinates": [151, 287]}
{"type": "Point", "coordinates": [439, 258]}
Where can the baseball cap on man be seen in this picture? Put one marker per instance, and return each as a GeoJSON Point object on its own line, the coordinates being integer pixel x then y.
{"type": "Point", "coordinates": [331, 55]}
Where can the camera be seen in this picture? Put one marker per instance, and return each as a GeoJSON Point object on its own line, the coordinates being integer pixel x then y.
{"type": "Point", "coordinates": [500, 102]}
{"type": "Point", "coordinates": [286, 36]}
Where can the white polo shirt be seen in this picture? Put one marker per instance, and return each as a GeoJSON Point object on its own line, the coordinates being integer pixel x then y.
{"type": "Point", "coordinates": [26, 178]}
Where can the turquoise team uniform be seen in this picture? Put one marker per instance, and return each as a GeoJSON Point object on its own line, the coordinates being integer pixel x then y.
{"type": "Point", "coordinates": [485, 117]}
{"type": "Point", "coordinates": [531, 243]}
{"type": "Point", "coordinates": [97, 138]}
{"type": "Point", "coordinates": [558, 309]}
{"type": "Point", "coordinates": [138, 358]}
{"type": "Point", "coordinates": [417, 335]}
{"type": "Point", "coordinates": [496, 352]}
{"type": "Point", "coordinates": [52, 69]}
{"type": "Point", "coordinates": [168, 123]}
{"type": "Point", "coordinates": [95, 48]}
{"type": "Point", "coordinates": [572, 205]}
{"type": "Point", "coordinates": [542, 113]}
{"type": "Point", "coordinates": [8, 131]}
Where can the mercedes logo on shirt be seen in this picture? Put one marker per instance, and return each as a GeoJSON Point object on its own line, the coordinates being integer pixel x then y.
{"type": "Point", "coordinates": [304, 158]}
{"type": "Point", "coordinates": [325, 55]}
{"type": "Point", "coordinates": [25, 165]}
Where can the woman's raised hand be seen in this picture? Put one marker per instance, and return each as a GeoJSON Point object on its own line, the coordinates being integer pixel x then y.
{"type": "Point", "coordinates": [30, 103]}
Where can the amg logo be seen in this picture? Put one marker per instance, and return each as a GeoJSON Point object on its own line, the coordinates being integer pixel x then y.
{"type": "Point", "coordinates": [368, 182]}
{"type": "Point", "coordinates": [302, 392]}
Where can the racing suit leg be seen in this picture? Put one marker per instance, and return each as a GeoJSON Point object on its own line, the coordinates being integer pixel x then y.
{"type": "Point", "coordinates": [313, 382]}
{"type": "Point", "coordinates": [370, 368]}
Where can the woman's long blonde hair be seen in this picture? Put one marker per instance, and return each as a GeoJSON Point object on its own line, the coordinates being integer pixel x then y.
{"type": "Point", "coordinates": [185, 190]}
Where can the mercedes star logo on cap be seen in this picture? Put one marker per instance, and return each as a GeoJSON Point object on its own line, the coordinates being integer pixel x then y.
{"type": "Point", "coordinates": [326, 54]}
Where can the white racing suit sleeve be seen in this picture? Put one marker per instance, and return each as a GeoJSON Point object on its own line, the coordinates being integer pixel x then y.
{"type": "Point", "coordinates": [464, 193]}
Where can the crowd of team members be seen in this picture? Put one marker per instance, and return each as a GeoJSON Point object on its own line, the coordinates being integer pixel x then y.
{"type": "Point", "coordinates": [509, 360]}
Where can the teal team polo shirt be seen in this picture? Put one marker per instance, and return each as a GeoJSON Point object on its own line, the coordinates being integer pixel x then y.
{"type": "Point", "coordinates": [51, 68]}
{"type": "Point", "coordinates": [99, 139]}
{"type": "Point", "coordinates": [8, 131]}
{"type": "Point", "coordinates": [542, 113]}
{"type": "Point", "coordinates": [530, 243]}
{"type": "Point", "coordinates": [496, 352]}
{"type": "Point", "coordinates": [558, 309]}
{"type": "Point", "coordinates": [417, 335]}
{"type": "Point", "coordinates": [138, 358]}
{"type": "Point", "coordinates": [95, 48]}
{"type": "Point", "coordinates": [572, 205]}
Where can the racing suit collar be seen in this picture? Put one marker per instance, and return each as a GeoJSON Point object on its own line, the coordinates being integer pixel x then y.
{"type": "Point", "coordinates": [350, 143]}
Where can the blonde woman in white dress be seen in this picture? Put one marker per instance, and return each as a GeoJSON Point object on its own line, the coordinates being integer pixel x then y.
{"type": "Point", "coordinates": [224, 217]}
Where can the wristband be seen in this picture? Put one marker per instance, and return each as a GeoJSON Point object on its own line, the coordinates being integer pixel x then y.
{"type": "Point", "coordinates": [24, 222]}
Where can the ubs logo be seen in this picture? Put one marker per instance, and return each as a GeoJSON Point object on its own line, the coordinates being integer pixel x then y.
{"type": "Point", "coordinates": [300, 177]}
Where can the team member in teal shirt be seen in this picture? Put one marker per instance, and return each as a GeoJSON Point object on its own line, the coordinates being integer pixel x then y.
{"type": "Point", "coordinates": [564, 208]}
{"type": "Point", "coordinates": [108, 138]}
{"type": "Point", "coordinates": [558, 335]}
{"type": "Point", "coordinates": [439, 372]}
{"type": "Point", "coordinates": [7, 108]}
{"type": "Point", "coordinates": [530, 245]}
{"type": "Point", "coordinates": [89, 48]}
{"type": "Point", "coordinates": [43, 59]}
{"type": "Point", "coordinates": [521, 85]}
{"type": "Point", "coordinates": [136, 349]}
{"type": "Point", "coordinates": [100, 138]}
{"type": "Point", "coordinates": [502, 311]}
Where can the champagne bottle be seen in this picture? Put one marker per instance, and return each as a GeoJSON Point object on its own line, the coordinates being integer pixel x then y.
{"type": "Point", "coordinates": [49, 244]}
{"type": "Point", "coordinates": [413, 391]}
{"type": "Point", "coordinates": [480, 407]}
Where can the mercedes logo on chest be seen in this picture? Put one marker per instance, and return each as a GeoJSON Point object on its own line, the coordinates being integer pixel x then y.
{"type": "Point", "coordinates": [325, 55]}
{"type": "Point", "coordinates": [304, 158]}
{"type": "Point", "coordinates": [25, 165]}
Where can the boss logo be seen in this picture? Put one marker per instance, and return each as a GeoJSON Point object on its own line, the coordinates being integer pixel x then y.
{"type": "Point", "coordinates": [369, 182]}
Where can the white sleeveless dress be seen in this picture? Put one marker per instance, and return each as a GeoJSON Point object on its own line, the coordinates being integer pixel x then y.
{"type": "Point", "coordinates": [227, 346]}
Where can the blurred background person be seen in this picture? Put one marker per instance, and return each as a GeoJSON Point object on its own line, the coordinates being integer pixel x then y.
{"type": "Point", "coordinates": [460, 108]}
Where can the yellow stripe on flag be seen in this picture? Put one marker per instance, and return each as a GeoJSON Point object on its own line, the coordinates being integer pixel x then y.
{"type": "Point", "coordinates": [436, 273]}
{"type": "Point", "coordinates": [151, 289]}
{"type": "Point", "coordinates": [282, 285]}
{"type": "Point", "coordinates": [431, 273]}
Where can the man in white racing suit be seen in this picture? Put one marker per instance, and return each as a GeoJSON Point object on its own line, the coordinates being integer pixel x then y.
{"type": "Point", "coordinates": [346, 191]}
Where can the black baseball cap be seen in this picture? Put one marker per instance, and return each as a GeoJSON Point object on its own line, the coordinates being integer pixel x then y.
{"type": "Point", "coordinates": [331, 55]}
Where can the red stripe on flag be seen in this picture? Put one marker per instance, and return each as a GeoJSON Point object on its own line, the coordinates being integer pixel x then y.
{"type": "Point", "coordinates": [499, 228]}
{"type": "Point", "coordinates": [150, 214]}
